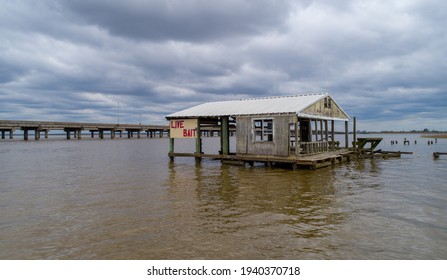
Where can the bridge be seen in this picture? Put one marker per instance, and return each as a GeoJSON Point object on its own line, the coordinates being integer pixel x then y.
{"type": "Point", "coordinates": [76, 128]}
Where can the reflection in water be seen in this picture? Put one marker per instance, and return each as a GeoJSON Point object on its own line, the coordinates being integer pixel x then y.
{"type": "Point", "coordinates": [258, 208]}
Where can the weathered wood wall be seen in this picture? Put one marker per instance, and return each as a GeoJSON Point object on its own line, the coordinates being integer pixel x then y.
{"type": "Point", "coordinates": [331, 109]}
{"type": "Point", "coordinates": [278, 147]}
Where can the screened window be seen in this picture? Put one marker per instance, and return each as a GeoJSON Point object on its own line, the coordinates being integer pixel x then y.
{"type": "Point", "coordinates": [263, 130]}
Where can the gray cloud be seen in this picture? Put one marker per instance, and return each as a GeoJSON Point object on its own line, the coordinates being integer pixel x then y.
{"type": "Point", "coordinates": [182, 20]}
{"type": "Point", "coordinates": [76, 60]}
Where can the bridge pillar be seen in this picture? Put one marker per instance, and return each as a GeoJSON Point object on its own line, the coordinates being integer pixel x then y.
{"type": "Point", "coordinates": [3, 134]}
{"type": "Point", "coordinates": [79, 134]}
{"type": "Point", "coordinates": [101, 134]}
{"type": "Point", "coordinates": [25, 134]}
{"type": "Point", "coordinates": [68, 134]}
{"type": "Point", "coordinates": [11, 134]}
{"type": "Point", "coordinates": [112, 134]}
{"type": "Point", "coordinates": [138, 134]}
{"type": "Point", "coordinates": [46, 133]}
{"type": "Point", "coordinates": [37, 134]}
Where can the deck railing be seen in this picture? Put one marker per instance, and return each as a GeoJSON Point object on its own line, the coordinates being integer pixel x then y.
{"type": "Point", "coordinates": [309, 148]}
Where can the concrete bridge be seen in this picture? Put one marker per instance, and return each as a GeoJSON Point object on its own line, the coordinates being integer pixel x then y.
{"type": "Point", "coordinates": [76, 128]}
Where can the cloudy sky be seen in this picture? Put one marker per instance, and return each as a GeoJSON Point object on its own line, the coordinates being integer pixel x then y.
{"type": "Point", "coordinates": [384, 62]}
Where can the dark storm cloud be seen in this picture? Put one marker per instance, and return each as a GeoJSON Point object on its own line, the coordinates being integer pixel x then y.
{"type": "Point", "coordinates": [384, 62]}
{"type": "Point", "coordinates": [183, 20]}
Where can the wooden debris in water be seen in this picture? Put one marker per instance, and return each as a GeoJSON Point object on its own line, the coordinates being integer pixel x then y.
{"type": "Point", "coordinates": [437, 154]}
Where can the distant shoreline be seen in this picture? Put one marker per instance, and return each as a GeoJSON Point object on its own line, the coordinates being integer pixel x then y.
{"type": "Point", "coordinates": [440, 135]}
{"type": "Point", "coordinates": [423, 134]}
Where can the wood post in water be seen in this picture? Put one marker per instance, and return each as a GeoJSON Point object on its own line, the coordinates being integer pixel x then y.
{"type": "Point", "coordinates": [333, 133]}
{"type": "Point", "coordinates": [437, 154]}
{"type": "Point", "coordinates": [198, 141]}
{"type": "Point", "coordinates": [225, 136]}
{"type": "Point", "coordinates": [171, 148]}
{"type": "Point", "coordinates": [346, 135]}
{"type": "Point", "coordinates": [354, 141]}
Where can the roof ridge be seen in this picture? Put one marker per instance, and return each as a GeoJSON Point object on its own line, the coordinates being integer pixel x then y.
{"type": "Point", "coordinates": [271, 97]}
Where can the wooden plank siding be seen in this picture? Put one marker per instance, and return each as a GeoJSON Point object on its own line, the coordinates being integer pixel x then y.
{"type": "Point", "coordinates": [326, 107]}
{"type": "Point", "coordinates": [247, 145]}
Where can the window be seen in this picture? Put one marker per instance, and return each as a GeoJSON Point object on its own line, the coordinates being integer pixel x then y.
{"type": "Point", "coordinates": [327, 103]}
{"type": "Point", "coordinates": [263, 130]}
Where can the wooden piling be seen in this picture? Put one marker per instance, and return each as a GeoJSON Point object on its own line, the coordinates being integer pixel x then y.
{"type": "Point", "coordinates": [225, 136]}
{"type": "Point", "coordinates": [171, 149]}
{"type": "Point", "coordinates": [437, 154]}
{"type": "Point", "coordinates": [346, 135]}
{"type": "Point", "coordinates": [354, 141]}
{"type": "Point", "coordinates": [198, 141]}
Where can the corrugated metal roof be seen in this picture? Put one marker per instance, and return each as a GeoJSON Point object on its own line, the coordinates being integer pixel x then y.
{"type": "Point", "coordinates": [256, 106]}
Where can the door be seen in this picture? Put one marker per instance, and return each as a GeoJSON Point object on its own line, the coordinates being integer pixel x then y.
{"type": "Point", "coordinates": [305, 135]}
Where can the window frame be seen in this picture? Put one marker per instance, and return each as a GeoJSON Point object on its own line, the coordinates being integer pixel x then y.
{"type": "Point", "coordinates": [263, 130]}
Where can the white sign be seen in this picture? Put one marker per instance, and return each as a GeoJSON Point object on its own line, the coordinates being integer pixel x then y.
{"type": "Point", "coordinates": [183, 128]}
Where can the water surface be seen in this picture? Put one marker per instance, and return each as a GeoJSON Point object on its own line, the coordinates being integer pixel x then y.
{"type": "Point", "coordinates": [123, 199]}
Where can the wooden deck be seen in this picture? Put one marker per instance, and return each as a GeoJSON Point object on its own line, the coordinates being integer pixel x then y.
{"type": "Point", "coordinates": [308, 162]}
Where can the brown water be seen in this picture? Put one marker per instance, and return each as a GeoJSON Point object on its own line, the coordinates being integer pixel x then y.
{"type": "Point", "coordinates": [122, 199]}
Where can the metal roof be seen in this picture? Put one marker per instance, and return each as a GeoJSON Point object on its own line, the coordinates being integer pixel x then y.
{"type": "Point", "coordinates": [255, 106]}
